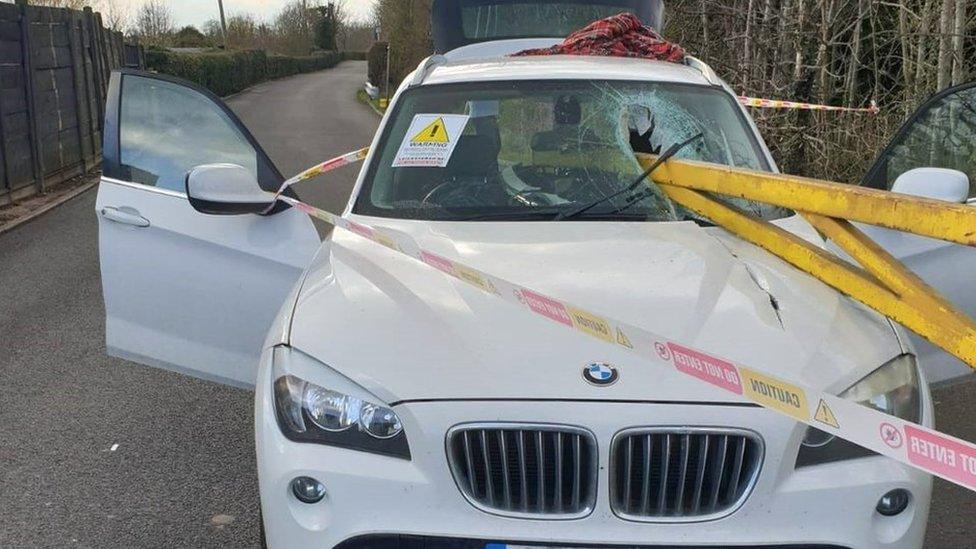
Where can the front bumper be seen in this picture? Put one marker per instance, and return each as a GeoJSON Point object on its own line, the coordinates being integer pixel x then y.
{"type": "Point", "coordinates": [398, 541]}
{"type": "Point", "coordinates": [377, 501]}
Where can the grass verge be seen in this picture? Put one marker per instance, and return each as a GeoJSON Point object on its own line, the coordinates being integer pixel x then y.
{"type": "Point", "coordinates": [374, 104]}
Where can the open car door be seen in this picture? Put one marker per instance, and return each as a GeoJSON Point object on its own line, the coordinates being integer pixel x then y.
{"type": "Point", "coordinates": [183, 290]}
{"type": "Point", "coordinates": [934, 155]}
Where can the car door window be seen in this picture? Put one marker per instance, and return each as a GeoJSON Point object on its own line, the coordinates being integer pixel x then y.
{"type": "Point", "coordinates": [166, 129]}
{"type": "Point", "coordinates": [941, 135]}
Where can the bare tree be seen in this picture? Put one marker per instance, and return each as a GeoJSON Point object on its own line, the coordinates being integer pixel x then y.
{"type": "Point", "coordinates": [839, 52]}
{"type": "Point", "coordinates": [357, 36]}
{"type": "Point", "coordinates": [154, 21]}
{"type": "Point", "coordinates": [340, 13]}
{"type": "Point", "coordinates": [244, 31]}
{"type": "Point", "coordinates": [293, 27]}
{"type": "Point", "coordinates": [406, 25]}
{"type": "Point", "coordinates": [292, 31]}
{"type": "Point", "coordinates": [116, 14]}
{"type": "Point", "coordinates": [944, 60]}
{"type": "Point", "coordinates": [958, 43]}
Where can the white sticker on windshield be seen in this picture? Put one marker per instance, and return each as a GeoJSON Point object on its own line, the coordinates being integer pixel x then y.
{"type": "Point", "coordinates": [430, 140]}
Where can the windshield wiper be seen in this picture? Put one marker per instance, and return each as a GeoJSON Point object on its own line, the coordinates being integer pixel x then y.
{"type": "Point", "coordinates": [546, 215]}
{"type": "Point", "coordinates": [665, 156]}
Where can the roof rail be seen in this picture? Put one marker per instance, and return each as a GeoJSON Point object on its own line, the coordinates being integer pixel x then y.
{"type": "Point", "coordinates": [425, 67]}
{"type": "Point", "coordinates": [703, 68]}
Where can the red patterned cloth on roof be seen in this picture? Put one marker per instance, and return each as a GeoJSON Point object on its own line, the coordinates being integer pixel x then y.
{"type": "Point", "coordinates": [621, 35]}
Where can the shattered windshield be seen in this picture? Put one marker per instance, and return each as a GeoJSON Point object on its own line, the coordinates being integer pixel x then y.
{"type": "Point", "coordinates": [540, 150]}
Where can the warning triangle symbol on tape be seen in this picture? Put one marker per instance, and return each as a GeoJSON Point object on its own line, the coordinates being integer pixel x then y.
{"type": "Point", "coordinates": [622, 339]}
{"type": "Point", "coordinates": [435, 132]}
{"type": "Point", "coordinates": [825, 415]}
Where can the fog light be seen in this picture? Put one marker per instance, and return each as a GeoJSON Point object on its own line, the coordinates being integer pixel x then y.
{"type": "Point", "coordinates": [893, 502]}
{"type": "Point", "coordinates": [307, 489]}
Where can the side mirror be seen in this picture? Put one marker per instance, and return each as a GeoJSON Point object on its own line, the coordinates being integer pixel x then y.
{"type": "Point", "coordinates": [937, 183]}
{"type": "Point", "coordinates": [226, 189]}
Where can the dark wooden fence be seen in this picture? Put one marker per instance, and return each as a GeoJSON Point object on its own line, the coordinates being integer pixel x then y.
{"type": "Point", "coordinates": [54, 70]}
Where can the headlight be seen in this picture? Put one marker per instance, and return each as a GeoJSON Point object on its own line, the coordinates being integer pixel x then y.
{"type": "Point", "coordinates": [892, 389]}
{"type": "Point", "coordinates": [307, 412]}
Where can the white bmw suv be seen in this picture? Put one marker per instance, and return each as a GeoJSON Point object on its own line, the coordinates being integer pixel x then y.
{"type": "Point", "coordinates": [396, 407]}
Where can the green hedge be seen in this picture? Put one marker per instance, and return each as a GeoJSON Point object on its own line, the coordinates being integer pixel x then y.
{"type": "Point", "coordinates": [225, 73]}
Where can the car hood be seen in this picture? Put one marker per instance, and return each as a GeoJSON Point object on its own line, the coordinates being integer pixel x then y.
{"type": "Point", "coordinates": [405, 331]}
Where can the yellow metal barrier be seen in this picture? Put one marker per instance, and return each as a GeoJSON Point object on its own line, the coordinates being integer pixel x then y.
{"type": "Point", "coordinates": [881, 282]}
{"type": "Point", "coordinates": [921, 216]}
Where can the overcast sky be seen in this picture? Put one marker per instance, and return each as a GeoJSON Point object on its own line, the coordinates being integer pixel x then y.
{"type": "Point", "coordinates": [197, 12]}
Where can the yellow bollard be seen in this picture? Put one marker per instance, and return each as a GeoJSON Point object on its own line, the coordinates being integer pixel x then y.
{"type": "Point", "coordinates": [881, 282]}
{"type": "Point", "coordinates": [921, 216]}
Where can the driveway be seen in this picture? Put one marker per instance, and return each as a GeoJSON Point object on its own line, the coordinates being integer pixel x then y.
{"type": "Point", "coordinates": [99, 452]}
{"type": "Point", "coordinates": [304, 120]}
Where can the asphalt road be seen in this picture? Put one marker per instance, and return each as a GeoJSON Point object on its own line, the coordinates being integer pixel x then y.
{"type": "Point", "coordinates": [304, 120]}
{"type": "Point", "coordinates": [182, 473]}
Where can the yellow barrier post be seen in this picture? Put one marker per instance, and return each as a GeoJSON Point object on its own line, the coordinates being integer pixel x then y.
{"type": "Point", "coordinates": [884, 284]}
{"type": "Point", "coordinates": [921, 216]}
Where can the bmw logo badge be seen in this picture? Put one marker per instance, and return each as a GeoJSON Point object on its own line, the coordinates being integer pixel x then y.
{"type": "Point", "coordinates": [600, 373]}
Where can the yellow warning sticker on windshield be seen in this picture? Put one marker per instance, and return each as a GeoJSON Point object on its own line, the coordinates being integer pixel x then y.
{"type": "Point", "coordinates": [433, 133]}
{"type": "Point", "coordinates": [430, 140]}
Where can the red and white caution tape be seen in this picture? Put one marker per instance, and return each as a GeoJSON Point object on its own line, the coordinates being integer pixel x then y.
{"type": "Point", "coordinates": [780, 104]}
{"type": "Point", "coordinates": [943, 455]}
{"type": "Point", "coordinates": [324, 167]}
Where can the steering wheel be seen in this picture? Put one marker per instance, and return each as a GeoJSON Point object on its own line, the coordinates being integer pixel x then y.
{"type": "Point", "coordinates": [521, 198]}
{"type": "Point", "coordinates": [434, 192]}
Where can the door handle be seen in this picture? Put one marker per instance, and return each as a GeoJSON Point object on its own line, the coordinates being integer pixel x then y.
{"type": "Point", "coordinates": [124, 215]}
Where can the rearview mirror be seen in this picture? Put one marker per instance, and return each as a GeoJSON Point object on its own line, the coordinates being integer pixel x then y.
{"type": "Point", "coordinates": [226, 189]}
{"type": "Point", "coordinates": [937, 183]}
